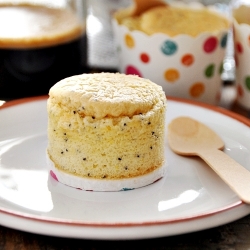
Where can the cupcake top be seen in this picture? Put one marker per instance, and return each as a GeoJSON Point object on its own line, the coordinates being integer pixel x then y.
{"type": "Point", "coordinates": [174, 20]}
{"type": "Point", "coordinates": [103, 95]}
{"type": "Point", "coordinates": [241, 14]}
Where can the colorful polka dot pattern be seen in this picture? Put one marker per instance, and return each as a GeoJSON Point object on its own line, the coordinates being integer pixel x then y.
{"type": "Point", "coordinates": [169, 47]}
{"type": "Point", "coordinates": [242, 54]}
{"type": "Point", "coordinates": [246, 85]}
{"type": "Point", "coordinates": [145, 58]}
{"type": "Point", "coordinates": [210, 44]}
{"type": "Point", "coordinates": [239, 47]}
{"type": "Point", "coordinates": [197, 89]}
{"type": "Point", "coordinates": [209, 71]}
{"type": "Point", "coordinates": [53, 175]}
{"type": "Point", "coordinates": [221, 68]}
{"type": "Point", "coordinates": [131, 70]}
{"type": "Point", "coordinates": [247, 82]}
{"type": "Point", "coordinates": [172, 75]}
{"type": "Point", "coordinates": [129, 41]}
{"type": "Point", "coordinates": [141, 59]}
{"type": "Point", "coordinates": [187, 59]}
{"type": "Point", "coordinates": [223, 43]}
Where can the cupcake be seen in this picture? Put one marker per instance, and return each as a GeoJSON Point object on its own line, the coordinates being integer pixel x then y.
{"type": "Point", "coordinates": [179, 46]}
{"type": "Point", "coordinates": [106, 131]}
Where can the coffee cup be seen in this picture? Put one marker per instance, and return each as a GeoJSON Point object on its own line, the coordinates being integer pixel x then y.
{"type": "Point", "coordinates": [40, 44]}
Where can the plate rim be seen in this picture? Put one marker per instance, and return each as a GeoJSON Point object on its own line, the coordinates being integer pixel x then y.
{"type": "Point", "coordinates": [71, 222]}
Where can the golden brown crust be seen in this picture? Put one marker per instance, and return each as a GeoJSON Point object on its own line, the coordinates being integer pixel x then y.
{"type": "Point", "coordinates": [174, 20]}
{"type": "Point", "coordinates": [107, 94]}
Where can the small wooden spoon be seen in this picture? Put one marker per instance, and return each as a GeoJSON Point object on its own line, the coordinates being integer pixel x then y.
{"type": "Point", "coordinates": [189, 137]}
{"type": "Point", "coordinates": [144, 5]}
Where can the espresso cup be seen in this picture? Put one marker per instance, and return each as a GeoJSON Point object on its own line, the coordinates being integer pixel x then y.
{"type": "Point", "coordinates": [40, 44]}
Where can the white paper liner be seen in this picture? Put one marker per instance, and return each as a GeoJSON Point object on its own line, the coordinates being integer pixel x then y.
{"type": "Point", "coordinates": [105, 185]}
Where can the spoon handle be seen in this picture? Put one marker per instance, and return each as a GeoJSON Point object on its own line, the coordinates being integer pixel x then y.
{"type": "Point", "coordinates": [231, 172]}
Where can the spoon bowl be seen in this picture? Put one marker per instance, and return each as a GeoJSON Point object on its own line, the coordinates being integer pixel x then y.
{"type": "Point", "coordinates": [187, 137]}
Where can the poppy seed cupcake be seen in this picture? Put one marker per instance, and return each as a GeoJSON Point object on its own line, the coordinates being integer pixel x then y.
{"type": "Point", "coordinates": [106, 131]}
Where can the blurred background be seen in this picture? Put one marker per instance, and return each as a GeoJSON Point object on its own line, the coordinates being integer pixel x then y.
{"type": "Point", "coordinates": [101, 48]}
{"type": "Point", "coordinates": [102, 54]}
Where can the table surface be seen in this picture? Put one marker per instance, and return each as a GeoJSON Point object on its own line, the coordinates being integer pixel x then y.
{"type": "Point", "coordinates": [235, 235]}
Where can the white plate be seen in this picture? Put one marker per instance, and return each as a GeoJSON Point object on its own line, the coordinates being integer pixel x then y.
{"type": "Point", "coordinates": [191, 197]}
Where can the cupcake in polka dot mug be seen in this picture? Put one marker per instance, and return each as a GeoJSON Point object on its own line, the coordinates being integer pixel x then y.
{"type": "Point", "coordinates": [180, 47]}
{"type": "Point", "coordinates": [241, 13]}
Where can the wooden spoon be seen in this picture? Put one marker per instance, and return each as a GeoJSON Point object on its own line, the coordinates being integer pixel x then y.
{"type": "Point", "coordinates": [189, 137]}
{"type": "Point", "coordinates": [144, 5]}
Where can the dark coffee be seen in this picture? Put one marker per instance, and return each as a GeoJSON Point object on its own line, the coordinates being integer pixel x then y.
{"type": "Point", "coordinates": [31, 59]}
